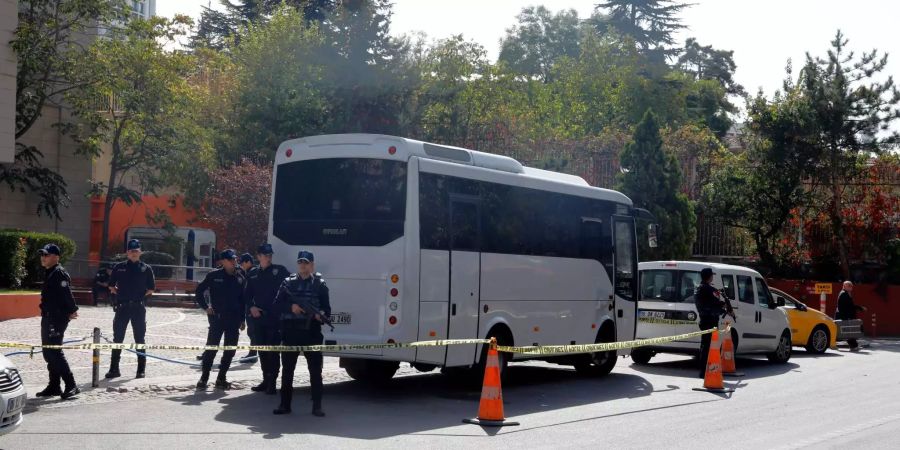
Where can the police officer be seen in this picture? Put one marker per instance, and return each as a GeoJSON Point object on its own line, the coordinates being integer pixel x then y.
{"type": "Point", "coordinates": [262, 323]}
{"type": "Point", "coordinates": [132, 281]}
{"type": "Point", "coordinates": [246, 265]}
{"type": "Point", "coordinates": [302, 327]}
{"type": "Point", "coordinates": [101, 284]}
{"type": "Point", "coordinates": [221, 295]}
{"type": "Point", "coordinates": [57, 309]}
{"type": "Point", "coordinates": [710, 306]}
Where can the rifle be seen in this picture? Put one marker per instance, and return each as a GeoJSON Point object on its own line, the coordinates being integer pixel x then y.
{"type": "Point", "coordinates": [310, 309]}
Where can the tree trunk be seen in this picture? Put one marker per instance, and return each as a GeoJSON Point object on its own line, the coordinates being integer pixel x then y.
{"type": "Point", "coordinates": [837, 228]}
{"type": "Point", "coordinates": [765, 253]}
{"type": "Point", "coordinates": [108, 204]}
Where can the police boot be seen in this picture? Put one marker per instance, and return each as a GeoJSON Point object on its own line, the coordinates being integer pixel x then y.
{"type": "Point", "coordinates": [142, 364]}
{"type": "Point", "coordinates": [285, 407]}
{"type": "Point", "coordinates": [52, 388]}
{"type": "Point", "coordinates": [114, 365]}
{"type": "Point", "coordinates": [71, 388]}
{"type": "Point", "coordinates": [204, 380]}
{"type": "Point", "coordinates": [270, 388]}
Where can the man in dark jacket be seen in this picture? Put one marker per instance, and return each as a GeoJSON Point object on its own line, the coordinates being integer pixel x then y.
{"type": "Point", "coordinates": [263, 322]}
{"type": "Point", "coordinates": [221, 295]}
{"type": "Point", "coordinates": [100, 289]}
{"type": "Point", "coordinates": [847, 309]}
{"type": "Point", "coordinates": [57, 309]}
{"type": "Point", "coordinates": [301, 326]}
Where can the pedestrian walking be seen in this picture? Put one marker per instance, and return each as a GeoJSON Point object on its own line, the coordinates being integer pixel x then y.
{"type": "Point", "coordinates": [847, 309]}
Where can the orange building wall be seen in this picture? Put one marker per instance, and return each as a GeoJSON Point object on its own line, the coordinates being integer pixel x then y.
{"type": "Point", "coordinates": [124, 216]}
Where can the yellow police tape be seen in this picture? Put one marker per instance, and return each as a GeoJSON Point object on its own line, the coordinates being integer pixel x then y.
{"type": "Point", "coordinates": [531, 350]}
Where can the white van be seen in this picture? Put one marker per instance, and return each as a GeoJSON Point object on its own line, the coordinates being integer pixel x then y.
{"type": "Point", "coordinates": [667, 292]}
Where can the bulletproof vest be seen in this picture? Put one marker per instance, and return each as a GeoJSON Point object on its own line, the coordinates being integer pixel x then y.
{"type": "Point", "coordinates": [304, 292]}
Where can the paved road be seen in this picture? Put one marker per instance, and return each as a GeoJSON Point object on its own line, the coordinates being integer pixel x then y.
{"type": "Point", "coordinates": [830, 401]}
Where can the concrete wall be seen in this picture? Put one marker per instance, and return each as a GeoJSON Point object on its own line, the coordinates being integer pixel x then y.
{"type": "Point", "coordinates": [18, 210]}
{"type": "Point", "coordinates": [8, 22]}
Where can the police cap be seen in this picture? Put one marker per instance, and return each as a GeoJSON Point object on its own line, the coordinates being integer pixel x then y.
{"type": "Point", "coordinates": [133, 244]}
{"type": "Point", "coordinates": [228, 254]}
{"type": "Point", "coordinates": [50, 249]}
{"type": "Point", "coordinates": [246, 258]}
{"type": "Point", "coordinates": [305, 256]}
{"type": "Point", "coordinates": [264, 249]}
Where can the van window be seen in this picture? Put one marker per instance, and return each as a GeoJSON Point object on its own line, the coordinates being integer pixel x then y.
{"type": "Point", "coordinates": [765, 297]}
{"type": "Point", "coordinates": [689, 283]}
{"type": "Point", "coordinates": [745, 289]}
{"type": "Point", "coordinates": [728, 286]}
{"type": "Point", "coordinates": [659, 285]}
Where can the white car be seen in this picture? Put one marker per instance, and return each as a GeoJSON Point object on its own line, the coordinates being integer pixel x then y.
{"type": "Point", "coordinates": [667, 292]}
{"type": "Point", "coordinates": [12, 396]}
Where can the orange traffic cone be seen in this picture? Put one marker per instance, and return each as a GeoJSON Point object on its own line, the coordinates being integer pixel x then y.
{"type": "Point", "coordinates": [712, 381]}
{"type": "Point", "coordinates": [729, 369]}
{"type": "Point", "coordinates": [490, 409]}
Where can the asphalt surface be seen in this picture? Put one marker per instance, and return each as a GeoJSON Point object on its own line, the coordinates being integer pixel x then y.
{"type": "Point", "coordinates": [829, 401]}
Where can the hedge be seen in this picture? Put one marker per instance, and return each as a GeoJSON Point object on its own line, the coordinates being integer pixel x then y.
{"type": "Point", "coordinates": [26, 266]}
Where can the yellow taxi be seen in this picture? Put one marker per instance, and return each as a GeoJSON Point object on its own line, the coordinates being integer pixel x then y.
{"type": "Point", "coordinates": [810, 327]}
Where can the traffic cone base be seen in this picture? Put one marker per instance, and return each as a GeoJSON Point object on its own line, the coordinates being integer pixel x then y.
{"type": "Point", "coordinates": [490, 408]}
{"type": "Point", "coordinates": [712, 380]}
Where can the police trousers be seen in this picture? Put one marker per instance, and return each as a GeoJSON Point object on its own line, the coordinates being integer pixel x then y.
{"type": "Point", "coordinates": [294, 336]}
{"type": "Point", "coordinates": [266, 332]}
{"type": "Point", "coordinates": [227, 325]}
{"type": "Point", "coordinates": [706, 322]}
{"type": "Point", "coordinates": [134, 313]}
{"type": "Point", "coordinates": [52, 332]}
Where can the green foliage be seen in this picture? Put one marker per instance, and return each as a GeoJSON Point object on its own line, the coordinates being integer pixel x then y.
{"type": "Point", "coordinates": [650, 24]}
{"type": "Point", "coordinates": [46, 42]}
{"type": "Point", "coordinates": [34, 241]}
{"type": "Point", "coordinates": [652, 179]}
{"type": "Point", "coordinates": [539, 40]}
{"type": "Point", "coordinates": [12, 259]}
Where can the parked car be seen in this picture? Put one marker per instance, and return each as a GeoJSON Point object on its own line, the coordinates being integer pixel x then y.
{"type": "Point", "coordinates": [667, 292]}
{"type": "Point", "coordinates": [810, 327]}
{"type": "Point", "coordinates": [12, 396]}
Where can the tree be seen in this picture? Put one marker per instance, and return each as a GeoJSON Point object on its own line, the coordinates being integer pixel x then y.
{"type": "Point", "coordinates": [242, 225]}
{"type": "Point", "coordinates": [761, 189]}
{"type": "Point", "coordinates": [651, 24]}
{"type": "Point", "coordinates": [539, 40]}
{"type": "Point", "coordinates": [47, 39]}
{"type": "Point", "coordinates": [217, 27]}
{"type": "Point", "coordinates": [139, 110]}
{"type": "Point", "coordinates": [854, 113]}
{"type": "Point", "coordinates": [704, 62]}
{"type": "Point", "coordinates": [652, 179]}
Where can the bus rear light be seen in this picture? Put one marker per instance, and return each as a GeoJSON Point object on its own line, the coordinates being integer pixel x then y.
{"type": "Point", "coordinates": [394, 292]}
{"type": "Point", "coordinates": [392, 150]}
{"type": "Point", "coordinates": [593, 326]}
{"type": "Point", "coordinates": [432, 334]}
{"type": "Point", "coordinates": [395, 278]}
{"type": "Point", "coordinates": [288, 153]}
{"type": "Point", "coordinates": [537, 329]}
{"type": "Point", "coordinates": [393, 306]}
{"type": "Point", "coordinates": [392, 320]}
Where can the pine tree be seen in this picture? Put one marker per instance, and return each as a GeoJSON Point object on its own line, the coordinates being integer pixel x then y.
{"type": "Point", "coordinates": [650, 23]}
{"type": "Point", "coordinates": [652, 179]}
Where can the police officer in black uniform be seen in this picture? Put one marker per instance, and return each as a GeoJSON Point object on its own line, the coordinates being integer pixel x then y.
{"type": "Point", "coordinates": [710, 307]}
{"type": "Point", "coordinates": [101, 284]}
{"type": "Point", "coordinates": [263, 321]}
{"type": "Point", "coordinates": [221, 295]}
{"type": "Point", "coordinates": [132, 281]}
{"type": "Point", "coordinates": [302, 327]}
{"type": "Point", "coordinates": [245, 264]}
{"type": "Point", "coordinates": [57, 309]}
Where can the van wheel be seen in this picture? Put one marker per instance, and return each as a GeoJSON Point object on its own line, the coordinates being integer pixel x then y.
{"type": "Point", "coordinates": [641, 356]}
{"type": "Point", "coordinates": [782, 353]}
{"type": "Point", "coordinates": [598, 364]}
{"type": "Point", "coordinates": [818, 340]}
{"type": "Point", "coordinates": [373, 372]}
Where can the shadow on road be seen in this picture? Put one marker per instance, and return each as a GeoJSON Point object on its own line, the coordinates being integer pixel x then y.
{"type": "Point", "coordinates": [419, 403]}
{"type": "Point", "coordinates": [687, 367]}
